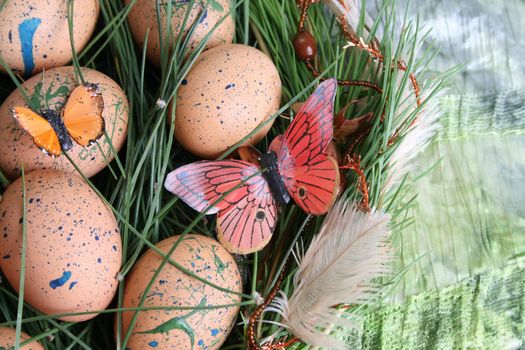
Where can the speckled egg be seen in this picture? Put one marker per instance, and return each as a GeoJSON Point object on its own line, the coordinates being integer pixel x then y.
{"type": "Point", "coordinates": [8, 339]}
{"type": "Point", "coordinates": [190, 328]}
{"type": "Point", "coordinates": [73, 244]}
{"type": "Point", "coordinates": [52, 88]}
{"type": "Point", "coordinates": [34, 34]}
{"type": "Point", "coordinates": [143, 18]}
{"type": "Point", "coordinates": [229, 91]}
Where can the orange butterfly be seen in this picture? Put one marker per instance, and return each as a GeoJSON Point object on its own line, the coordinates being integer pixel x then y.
{"type": "Point", "coordinates": [81, 120]}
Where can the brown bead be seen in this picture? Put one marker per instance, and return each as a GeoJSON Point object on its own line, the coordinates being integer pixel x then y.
{"type": "Point", "coordinates": [304, 45]}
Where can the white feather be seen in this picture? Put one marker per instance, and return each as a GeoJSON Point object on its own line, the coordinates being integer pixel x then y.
{"type": "Point", "coordinates": [416, 139]}
{"type": "Point", "coordinates": [339, 267]}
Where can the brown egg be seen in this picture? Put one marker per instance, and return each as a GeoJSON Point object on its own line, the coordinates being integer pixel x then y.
{"type": "Point", "coordinates": [52, 88]}
{"type": "Point", "coordinates": [143, 17]}
{"type": "Point", "coordinates": [73, 244]}
{"type": "Point", "coordinates": [8, 339]}
{"type": "Point", "coordinates": [34, 34]}
{"type": "Point", "coordinates": [229, 91]}
{"type": "Point", "coordinates": [190, 328]}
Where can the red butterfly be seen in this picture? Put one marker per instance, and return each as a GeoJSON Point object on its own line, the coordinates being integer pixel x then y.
{"type": "Point", "coordinates": [296, 165]}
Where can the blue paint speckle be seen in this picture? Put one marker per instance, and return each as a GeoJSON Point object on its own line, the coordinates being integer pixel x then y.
{"type": "Point", "coordinates": [153, 344]}
{"type": "Point", "coordinates": [97, 238]}
{"type": "Point", "coordinates": [114, 248]}
{"type": "Point", "coordinates": [200, 343]}
{"type": "Point", "coordinates": [204, 15]}
{"type": "Point", "coordinates": [72, 284]}
{"type": "Point", "coordinates": [10, 36]}
{"type": "Point", "coordinates": [59, 282]}
{"type": "Point", "coordinates": [192, 264]}
{"type": "Point", "coordinates": [214, 332]}
{"type": "Point", "coordinates": [229, 86]}
{"type": "Point", "coordinates": [26, 31]}
{"type": "Point", "coordinates": [184, 82]}
{"type": "Point", "coordinates": [99, 260]}
{"type": "Point", "coordinates": [163, 281]}
{"type": "Point", "coordinates": [153, 294]}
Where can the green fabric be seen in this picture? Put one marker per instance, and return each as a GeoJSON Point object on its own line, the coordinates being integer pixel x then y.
{"type": "Point", "coordinates": [457, 289]}
{"type": "Point", "coordinates": [480, 114]}
{"type": "Point", "coordinates": [469, 213]}
{"type": "Point", "coordinates": [486, 311]}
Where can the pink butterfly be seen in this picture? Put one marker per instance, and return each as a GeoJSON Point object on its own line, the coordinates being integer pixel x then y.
{"type": "Point", "coordinates": [295, 166]}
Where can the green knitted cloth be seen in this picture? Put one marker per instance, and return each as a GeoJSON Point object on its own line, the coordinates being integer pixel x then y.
{"type": "Point", "coordinates": [486, 311]}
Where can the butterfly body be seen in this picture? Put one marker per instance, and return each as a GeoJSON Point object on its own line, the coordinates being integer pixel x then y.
{"type": "Point", "coordinates": [269, 161]}
{"type": "Point", "coordinates": [56, 122]}
{"type": "Point", "coordinates": [246, 196]}
{"type": "Point", "coordinates": [80, 120]}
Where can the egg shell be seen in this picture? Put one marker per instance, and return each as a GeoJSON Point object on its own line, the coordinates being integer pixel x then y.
{"type": "Point", "coordinates": [207, 259]}
{"type": "Point", "coordinates": [143, 17]}
{"type": "Point", "coordinates": [73, 244]}
{"type": "Point", "coordinates": [8, 339]}
{"type": "Point", "coordinates": [229, 91]}
{"type": "Point", "coordinates": [53, 87]}
{"type": "Point", "coordinates": [34, 34]}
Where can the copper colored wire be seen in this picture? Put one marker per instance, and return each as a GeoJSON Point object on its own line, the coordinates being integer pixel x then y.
{"type": "Point", "coordinates": [362, 83]}
{"type": "Point", "coordinates": [280, 345]}
{"type": "Point", "coordinates": [374, 53]}
{"type": "Point", "coordinates": [254, 317]}
{"type": "Point", "coordinates": [379, 56]}
{"type": "Point", "coordinates": [305, 4]}
{"type": "Point", "coordinates": [354, 164]}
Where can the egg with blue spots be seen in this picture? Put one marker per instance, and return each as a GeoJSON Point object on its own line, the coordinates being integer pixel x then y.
{"type": "Point", "coordinates": [51, 89]}
{"type": "Point", "coordinates": [34, 34]}
{"type": "Point", "coordinates": [68, 270]}
{"type": "Point", "coordinates": [208, 303]}
{"type": "Point", "coordinates": [144, 18]}
{"type": "Point", "coordinates": [230, 94]}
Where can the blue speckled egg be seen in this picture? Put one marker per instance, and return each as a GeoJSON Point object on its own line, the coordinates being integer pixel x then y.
{"type": "Point", "coordinates": [73, 244]}
{"type": "Point", "coordinates": [143, 19]}
{"type": "Point", "coordinates": [17, 145]}
{"type": "Point", "coordinates": [229, 91]}
{"type": "Point", "coordinates": [34, 34]}
{"type": "Point", "coordinates": [199, 326]}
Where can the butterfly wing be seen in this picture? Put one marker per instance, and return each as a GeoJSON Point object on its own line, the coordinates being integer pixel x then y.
{"type": "Point", "coordinates": [44, 136]}
{"type": "Point", "coordinates": [237, 192]}
{"type": "Point", "coordinates": [309, 174]}
{"type": "Point", "coordinates": [247, 225]}
{"type": "Point", "coordinates": [83, 114]}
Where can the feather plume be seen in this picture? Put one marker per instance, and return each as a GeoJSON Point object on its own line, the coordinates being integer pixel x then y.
{"type": "Point", "coordinates": [416, 138]}
{"type": "Point", "coordinates": [339, 267]}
